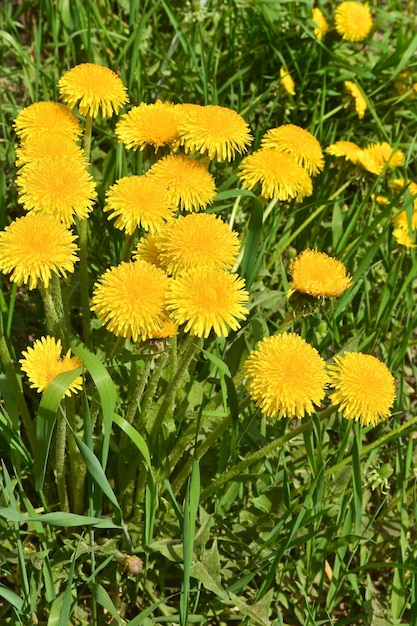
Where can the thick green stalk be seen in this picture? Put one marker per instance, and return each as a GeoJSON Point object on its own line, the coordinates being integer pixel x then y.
{"type": "Point", "coordinates": [77, 466]}
{"type": "Point", "coordinates": [60, 446]}
{"type": "Point", "coordinates": [138, 391]}
{"type": "Point", "coordinates": [53, 321]}
{"type": "Point", "coordinates": [262, 453]}
{"type": "Point", "coordinates": [153, 383]}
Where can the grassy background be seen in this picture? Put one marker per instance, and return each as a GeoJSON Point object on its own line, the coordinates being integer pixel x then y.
{"type": "Point", "coordinates": [322, 531]}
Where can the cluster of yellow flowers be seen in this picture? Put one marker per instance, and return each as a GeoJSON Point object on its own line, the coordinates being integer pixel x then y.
{"type": "Point", "coordinates": [182, 268]}
{"type": "Point", "coordinates": [352, 21]}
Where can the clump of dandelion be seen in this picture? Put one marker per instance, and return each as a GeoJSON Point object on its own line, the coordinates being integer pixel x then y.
{"type": "Point", "coordinates": [298, 142]}
{"type": "Point", "coordinates": [353, 21]}
{"type": "Point", "coordinates": [206, 299]}
{"type": "Point", "coordinates": [278, 173]}
{"type": "Point", "coordinates": [318, 275]}
{"type": "Point", "coordinates": [187, 182]}
{"type": "Point", "coordinates": [154, 125]}
{"type": "Point", "coordinates": [215, 131]}
{"type": "Point", "coordinates": [130, 299]}
{"type": "Point", "coordinates": [286, 376]}
{"type": "Point", "coordinates": [363, 386]}
{"type": "Point", "coordinates": [138, 201]}
{"type": "Point", "coordinates": [93, 88]}
{"type": "Point", "coordinates": [34, 247]}
{"type": "Point", "coordinates": [44, 361]}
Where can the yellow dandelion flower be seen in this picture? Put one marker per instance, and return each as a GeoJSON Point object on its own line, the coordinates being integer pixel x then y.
{"type": "Point", "coordinates": [93, 87]}
{"type": "Point", "coordinates": [355, 92]}
{"type": "Point", "coordinates": [318, 275]}
{"type": "Point", "coordinates": [216, 131]}
{"type": "Point", "coordinates": [403, 237]}
{"type": "Point", "coordinates": [188, 183]}
{"type": "Point", "coordinates": [298, 142]}
{"type": "Point", "coordinates": [364, 388]}
{"type": "Point", "coordinates": [57, 187]}
{"type": "Point", "coordinates": [380, 200]}
{"type": "Point", "coordinates": [197, 240]}
{"type": "Point", "coordinates": [286, 80]}
{"type": "Point", "coordinates": [130, 299]}
{"type": "Point", "coordinates": [398, 184]}
{"type": "Point", "coordinates": [286, 376]}
{"type": "Point", "coordinates": [205, 298]}
{"type": "Point", "coordinates": [138, 201]}
{"type": "Point", "coordinates": [46, 118]}
{"type": "Point", "coordinates": [321, 23]}
{"type": "Point", "coordinates": [377, 156]}
{"type": "Point", "coordinates": [347, 149]}
{"type": "Point", "coordinates": [44, 361]}
{"type": "Point", "coordinates": [278, 172]}
{"type": "Point", "coordinates": [43, 145]}
{"type": "Point", "coordinates": [149, 248]}
{"type": "Point", "coordinates": [353, 21]}
{"type": "Point", "coordinates": [403, 220]}
{"type": "Point", "coordinates": [168, 329]}
{"type": "Point", "coordinates": [35, 246]}
{"type": "Point", "coordinates": [154, 125]}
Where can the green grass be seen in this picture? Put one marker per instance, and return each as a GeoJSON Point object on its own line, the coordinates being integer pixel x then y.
{"type": "Point", "coordinates": [236, 518]}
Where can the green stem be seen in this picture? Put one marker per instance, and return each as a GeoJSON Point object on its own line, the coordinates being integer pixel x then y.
{"type": "Point", "coordinates": [77, 466]}
{"type": "Point", "coordinates": [60, 446]}
{"type": "Point", "coordinates": [138, 391]}
{"type": "Point", "coordinates": [127, 250]}
{"type": "Point", "coordinates": [262, 453]}
{"type": "Point", "coordinates": [53, 321]}
{"type": "Point", "coordinates": [153, 383]}
{"type": "Point", "coordinates": [17, 392]}
{"type": "Point", "coordinates": [191, 346]}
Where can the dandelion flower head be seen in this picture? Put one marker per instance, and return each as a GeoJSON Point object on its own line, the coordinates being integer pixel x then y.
{"type": "Point", "coordinates": [377, 156]}
{"type": "Point", "coordinates": [215, 131]}
{"type": "Point", "coordinates": [204, 299]}
{"type": "Point", "coordinates": [353, 21]}
{"type": "Point", "coordinates": [347, 149]}
{"type": "Point", "coordinates": [138, 201]}
{"type": "Point", "coordinates": [363, 387]}
{"type": "Point", "coordinates": [198, 239]}
{"type": "Point", "coordinates": [278, 173]}
{"type": "Point", "coordinates": [286, 376]}
{"type": "Point", "coordinates": [360, 102]}
{"type": "Point", "coordinates": [149, 248]}
{"type": "Point", "coordinates": [298, 142]}
{"type": "Point", "coordinates": [57, 187]}
{"type": "Point", "coordinates": [287, 81]}
{"type": "Point", "coordinates": [154, 125]}
{"type": "Point", "coordinates": [46, 118]}
{"type": "Point", "coordinates": [321, 23]}
{"type": "Point", "coordinates": [43, 145]}
{"type": "Point", "coordinates": [403, 238]}
{"type": "Point", "coordinates": [188, 183]}
{"type": "Point", "coordinates": [92, 88]}
{"type": "Point", "coordinates": [33, 247]}
{"type": "Point", "coordinates": [43, 361]}
{"type": "Point", "coordinates": [130, 299]}
{"type": "Point", "coordinates": [318, 275]}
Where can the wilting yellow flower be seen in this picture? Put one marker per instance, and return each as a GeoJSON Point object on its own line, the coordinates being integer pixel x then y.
{"type": "Point", "coordinates": [318, 275]}
{"type": "Point", "coordinates": [197, 240]}
{"type": "Point", "coordinates": [353, 21]}
{"type": "Point", "coordinates": [377, 156]}
{"type": "Point", "coordinates": [321, 22]}
{"type": "Point", "coordinates": [57, 187]}
{"type": "Point", "coordinates": [205, 299]}
{"type": "Point", "coordinates": [403, 237]}
{"type": "Point", "coordinates": [188, 184]}
{"type": "Point", "coordinates": [278, 172]}
{"type": "Point", "coordinates": [347, 149]}
{"type": "Point", "coordinates": [355, 92]}
{"type": "Point", "coordinates": [43, 145]}
{"type": "Point", "coordinates": [364, 388]}
{"type": "Point", "coordinates": [138, 201]}
{"type": "Point", "coordinates": [130, 299]}
{"type": "Point", "coordinates": [286, 376]}
{"type": "Point", "coordinates": [286, 80]}
{"type": "Point", "coordinates": [153, 125]}
{"type": "Point", "coordinates": [298, 142]}
{"type": "Point", "coordinates": [216, 131]}
{"type": "Point", "coordinates": [46, 118]}
{"type": "Point", "coordinates": [91, 87]}
{"type": "Point", "coordinates": [43, 361]}
{"type": "Point", "coordinates": [35, 246]}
